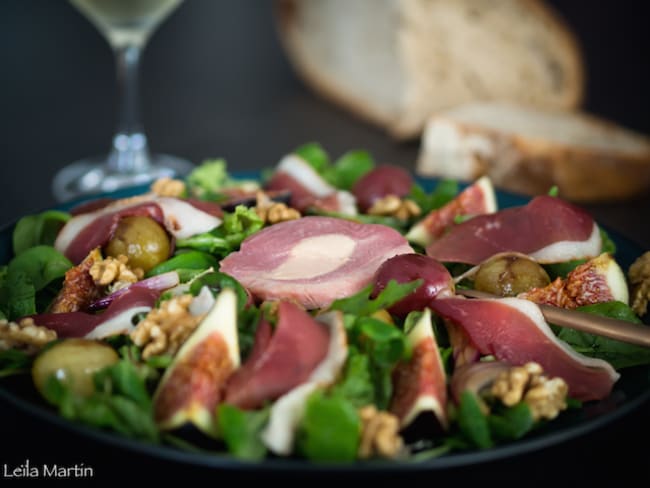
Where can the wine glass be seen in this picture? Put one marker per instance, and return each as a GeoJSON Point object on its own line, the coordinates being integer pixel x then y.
{"type": "Point", "coordinates": [126, 25]}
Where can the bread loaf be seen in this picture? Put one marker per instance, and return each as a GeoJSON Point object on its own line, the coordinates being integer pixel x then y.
{"type": "Point", "coordinates": [528, 150]}
{"type": "Point", "coordinates": [395, 62]}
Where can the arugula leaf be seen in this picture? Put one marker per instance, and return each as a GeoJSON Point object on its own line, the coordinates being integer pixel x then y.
{"type": "Point", "coordinates": [383, 342]}
{"type": "Point", "coordinates": [361, 303]}
{"type": "Point", "coordinates": [34, 230]}
{"type": "Point", "coordinates": [240, 430]}
{"type": "Point", "coordinates": [356, 384]}
{"type": "Point", "coordinates": [619, 354]}
{"type": "Point", "coordinates": [444, 192]}
{"type": "Point", "coordinates": [330, 429]}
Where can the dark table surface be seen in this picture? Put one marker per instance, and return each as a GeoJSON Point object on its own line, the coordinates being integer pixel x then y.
{"type": "Point", "coordinates": [215, 83]}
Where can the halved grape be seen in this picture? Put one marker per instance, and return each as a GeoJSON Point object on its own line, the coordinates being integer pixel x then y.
{"type": "Point", "coordinates": [405, 268]}
{"type": "Point", "coordinates": [73, 361]}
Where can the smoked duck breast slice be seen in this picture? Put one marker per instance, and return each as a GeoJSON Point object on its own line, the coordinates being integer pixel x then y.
{"type": "Point", "coordinates": [313, 260]}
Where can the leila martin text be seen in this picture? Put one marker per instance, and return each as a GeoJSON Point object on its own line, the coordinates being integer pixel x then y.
{"type": "Point", "coordinates": [28, 470]}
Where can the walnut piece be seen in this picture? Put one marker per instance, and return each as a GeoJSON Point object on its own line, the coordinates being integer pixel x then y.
{"type": "Point", "coordinates": [115, 272]}
{"type": "Point", "coordinates": [165, 329]}
{"type": "Point", "coordinates": [24, 335]}
{"type": "Point", "coordinates": [639, 278]}
{"type": "Point", "coordinates": [274, 212]}
{"type": "Point", "coordinates": [545, 397]}
{"type": "Point", "coordinates": [379, 434]}
{"type": "Point", "coordinates": [394, 206]}
{"type": "Point", "coordinates": [168, 187]}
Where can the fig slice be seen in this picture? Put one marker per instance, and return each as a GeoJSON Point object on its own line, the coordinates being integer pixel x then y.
{"type": "Point", "coordinates": [193, 384]}
{"type": "Point", "coordinates": [598, 280]}
{"type": "Point", "coordinates": [477, 199]}
{"type": "Point", "coordinates": [420, 385]}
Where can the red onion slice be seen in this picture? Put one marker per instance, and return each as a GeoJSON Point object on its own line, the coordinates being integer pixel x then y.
{"type": "Point", "coordinates": [159, 283]}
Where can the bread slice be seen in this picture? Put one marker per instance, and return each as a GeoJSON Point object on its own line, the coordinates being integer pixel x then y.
{"type": "Point", "coordinates": [395, 62]}
{"type": "Point", "coordinates": [528, 150]}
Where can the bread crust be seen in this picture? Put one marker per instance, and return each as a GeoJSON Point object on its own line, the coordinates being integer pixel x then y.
{"type": "Point", "coordinates": [530, 165]}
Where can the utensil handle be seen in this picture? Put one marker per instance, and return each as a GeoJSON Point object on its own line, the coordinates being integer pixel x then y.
{"type": "Point", "coordinates": [585, 322]}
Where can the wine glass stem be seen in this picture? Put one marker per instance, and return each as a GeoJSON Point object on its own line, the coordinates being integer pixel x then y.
{"type": "Point", "coordinates": [130, 153]}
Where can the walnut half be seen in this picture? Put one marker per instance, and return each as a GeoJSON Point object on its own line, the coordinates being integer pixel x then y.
{"type": "Point", "coordinates": [24, 335]}
{"type": "Point", "coordinates": [379, 434]}
{"type": "Point", "coordinates": [545, 397]}
{"type": "Point", "coordinates": [165, 329]}
{"type": "Point", "coordinates": [639, 278]}
{"type": "Point", "coordinates": [394, 206]}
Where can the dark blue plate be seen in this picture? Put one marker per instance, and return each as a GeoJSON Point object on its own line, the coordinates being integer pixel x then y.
{"type": "Point", "coordinates": [630, 393]}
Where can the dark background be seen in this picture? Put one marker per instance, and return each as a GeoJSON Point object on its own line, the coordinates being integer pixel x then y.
{"type": "Point", "coordinates": [215, 83]}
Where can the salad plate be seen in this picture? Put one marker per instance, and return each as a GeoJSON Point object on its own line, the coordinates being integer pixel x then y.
{"type": "Point", "coordinates": [630, 394]}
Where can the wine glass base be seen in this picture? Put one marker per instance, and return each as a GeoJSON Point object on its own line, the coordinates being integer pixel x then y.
{"type": "Point", "coordinates": [92, 176]}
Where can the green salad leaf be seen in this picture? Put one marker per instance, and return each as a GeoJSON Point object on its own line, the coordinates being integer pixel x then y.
{"type": "Point", "coordinates": [120, 402]}
{"type": "Point", "coordinates": [240, 430]}
{"type": "Point", "coordinates": [362, 303]}
{"type": "Point", "coordinates": [208, 180]}
{"type": "Point", "coordinates": [226, 238]}
{"type": "Point", "coordinates": [24, 282]}
{"type": "Point", "coordinates": [444, 192]}
{"type": "Point", "coordinates": [330, 429]}
{"type": "Point", "coordinates": [344, 172]}
{"type": "Point", "coordinates": [14, 361]}
{"type": "Point", "coordinates": [42, 264]}
{"type": "Point", "coordinates": [618, 354]}
{"type": "Point", "coordinates": [186, 263]}
{"type": "Point", "coordinates": [473, 422]}
{"type": "Point", "coordinates": [356, 383]}
{"type": "Point", "coordinates": [35, 230]}
{"type": "Point", "coordinates": [314, 154]}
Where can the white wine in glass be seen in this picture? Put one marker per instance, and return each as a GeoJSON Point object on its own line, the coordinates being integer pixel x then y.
{"type": "Point", "coordinates": [127, 26]}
